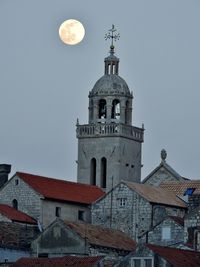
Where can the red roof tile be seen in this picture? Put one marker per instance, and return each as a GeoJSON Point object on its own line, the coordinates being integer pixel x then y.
{"type": "Point", "coordinates": [177, 257]}
{"type": "Point", "coordinates": [104, 237]}
{"type": "Point", "coordinates": [67, 261]}
{"type": "Point", "coordinates": [178, 220]}
{"type": "Point", "coordinates": [15, 215]}
{"type": "Point", "coordinates": [62, 190]}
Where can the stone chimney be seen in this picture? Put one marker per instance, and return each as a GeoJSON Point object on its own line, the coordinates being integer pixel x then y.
{"type": "Point", "coordinates": [4, 172]}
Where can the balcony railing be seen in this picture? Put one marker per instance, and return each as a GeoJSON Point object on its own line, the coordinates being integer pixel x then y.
{"type": "Point", "coordinates": [112, 129]}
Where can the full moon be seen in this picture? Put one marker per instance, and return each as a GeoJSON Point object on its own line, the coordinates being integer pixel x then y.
{"type": "Point", "coordinates": [71, 32]}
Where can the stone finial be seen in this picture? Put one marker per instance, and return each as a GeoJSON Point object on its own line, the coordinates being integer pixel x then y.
{"type": "Point", "coordinates": [77, 121]}
{"type": "Point", "coordinates": [163, 154]}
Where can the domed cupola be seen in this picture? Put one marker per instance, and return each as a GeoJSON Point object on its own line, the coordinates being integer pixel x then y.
{"type": "Point", "coordinates": [110, 99]}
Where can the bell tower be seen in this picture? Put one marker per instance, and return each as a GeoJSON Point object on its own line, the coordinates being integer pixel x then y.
{"type": "Point", "coordinates": [109, 147]}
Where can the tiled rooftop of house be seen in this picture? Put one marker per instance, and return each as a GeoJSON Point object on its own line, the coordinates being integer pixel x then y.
{"type": "Point", "coordinates": [15, 235]}
{"type": "Point", "coordinates": [62, 190]}
{"type": "Point", "coordinates": [179, 188]}
{"type": "Point", "coordinates": [156, 194]}
{"type": "Point", "coordinates": [67, 261]}
{"type": "Point", "coordinates": [103, 237]}
{"type": "Point", "coordinates": [177, 257]}
{"type": "Point", "coordinates": [15, 215]}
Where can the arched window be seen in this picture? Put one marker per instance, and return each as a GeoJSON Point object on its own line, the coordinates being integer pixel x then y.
{"type": "Point", "coordinates": [93, 165]}
{"type": "Point", "coordinates": [15, 204]}
{"type": "Point", "coordinates": [102, 108]}
{"type": "Point", "coordinates": [127, 112]}
{"type": "Point", "coordinates": [103, 172]}
{"type": "Point", "coordinates": [115, 109]}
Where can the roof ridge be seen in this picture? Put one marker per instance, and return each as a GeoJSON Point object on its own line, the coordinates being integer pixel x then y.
{"type": "Point", "coordinates": [56, 179]}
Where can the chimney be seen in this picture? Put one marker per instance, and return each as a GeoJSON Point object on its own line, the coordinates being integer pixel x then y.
{"type": "Point", "coordinates": [4, 172]}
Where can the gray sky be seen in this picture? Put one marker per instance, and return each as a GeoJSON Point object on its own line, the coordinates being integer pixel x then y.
{"type": "Point", "coordinates": [44, 83]}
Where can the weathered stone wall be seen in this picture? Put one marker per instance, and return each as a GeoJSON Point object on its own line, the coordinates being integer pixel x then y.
{"type": "Point", "coordinates": [123, 159]}
{"type": "Point", "coordinates": [68, 212]}
{"type": "Point", "coordinates": [4, 219]}
{"type": "Point", "coordinates": [192, 220]}
{"type": "Point", "coordinates": [12, 255]}
{"type": "Point", "coordinates": [135, 217]}
{"type": "Point", "coordinates": [28, 200]}
{"type": "Point", "coordinates": [177, 233]}
{"type": "Point", "coordinates": [159, 176]}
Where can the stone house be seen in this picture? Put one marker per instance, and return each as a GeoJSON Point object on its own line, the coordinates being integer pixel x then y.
{"type": "Point", "coordinates": [135, 208]}
{"type": "Point", "coordinates": [66, 261]}
{"type": "Point", "coordinates": [10, 214]}
{"type": "Point", "coordinates": [158, 256]}
{"type": "Point", "coordinates": [15, 240]}
{"type": "Point", "coordinates": [72, 238]}
{"type": "Point", "coordinates": [192, 228]}
{"type": "Point", "coordinates": [44, 198]}
{"type": "Point", "coordinates": [169, 232]}
{"type": "Point", "coordinates": [162, 173]}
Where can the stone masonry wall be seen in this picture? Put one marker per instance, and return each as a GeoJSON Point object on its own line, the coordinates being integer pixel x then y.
{"type": "Point", "coordinates": [28, 200]}
{"type": "Point", "coordinates": [133, 218]}
{"type": "Point", "coordinates": [124, 209]}
{"type": "Point", "coordinates": [67, 211]}
{"type": "Point", "coordinates": [177, 233]}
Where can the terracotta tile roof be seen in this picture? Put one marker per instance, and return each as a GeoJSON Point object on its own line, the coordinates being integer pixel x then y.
{"type": "Point", "coordinates": [62, 190]}
{"type": "Point", "coordinates": [16, 215]}
{"type": "Point", "coordinates": [179, 188]}
{"type": "Point", "coordinates": [15, 235]}
{"type": "Point", "coordinates": [156, 194]}
{"type": "Point", "coordinates": [177, 257]}
{"type": "Point", "coordinates": [104, 237]}
{"type": "Point", "coordinates": [66, 261]}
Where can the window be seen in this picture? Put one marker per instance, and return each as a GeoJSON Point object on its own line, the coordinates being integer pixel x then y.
{"type": "Point", "coordinates": [16, 182]}
{"type": "Point", "coordinates": [142, 262]}
{"type": "Point", "coordinates": [58, 211]}
{"type": "Point", "coordinates": [103, 172]}
{"type": "Point", "coordinates": [15, 204]}
{"type": "Point", "coordinates": [93, 165]}
{"type": "Point", "coordinates": [189, 191]}
{"type": "Point", "coordinates": [81, 215]}
{"type": "Point", "coordinates": [122, 201]}
{"type": "Point", "coordinates": [166, 233]}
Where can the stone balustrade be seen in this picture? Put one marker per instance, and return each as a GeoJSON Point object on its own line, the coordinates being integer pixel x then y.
{"type": "Point", "coordinates": [112, 129]}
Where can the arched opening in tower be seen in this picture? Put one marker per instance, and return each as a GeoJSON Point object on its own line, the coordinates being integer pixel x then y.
{"type": "Point", "coordinates": [127, 112]}
{"type": "Point", "coordinates": [115, 109]}
{"type": "Point", "coordinates": [103, 172]}
{"type": "Point", "coordinates": [93, 165]}
{"type": "Point", "coordinates": [102, 108]}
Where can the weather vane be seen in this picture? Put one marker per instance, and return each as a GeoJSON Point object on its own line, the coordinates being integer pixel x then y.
{"type": "Point", "coordinates": [112, 35]}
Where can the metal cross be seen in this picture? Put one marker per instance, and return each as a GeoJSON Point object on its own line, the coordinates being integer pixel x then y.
{"type": "Point", "coordinates": [111, 35]}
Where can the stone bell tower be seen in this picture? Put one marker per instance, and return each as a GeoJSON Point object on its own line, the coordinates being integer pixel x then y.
{"type": "Point", "coordinates": [109, 147]}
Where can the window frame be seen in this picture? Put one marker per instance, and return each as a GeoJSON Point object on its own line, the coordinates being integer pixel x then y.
{"type": "Point", "coordinates": [142, 261]}
{"type": "Point", "coordinates": [166, 234]}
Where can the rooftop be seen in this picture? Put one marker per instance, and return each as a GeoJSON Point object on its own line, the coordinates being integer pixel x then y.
{"type": "Point", "coordinates": [177, 257]}
{"type": "Point", "coordinates": [104, 237]}
{"type": "Point", "coordinates": [15, 215]}
{"type": "Point", "coordinates": [15, 235]}
{"type": "Point", "coordinates": [52, 188]}
{"type": "Point", "coordinates": [179, 188]}
{"type": "Point", "coordinates": [156, 194]}
{"type": "Point", "coordinates": [67, 261]}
